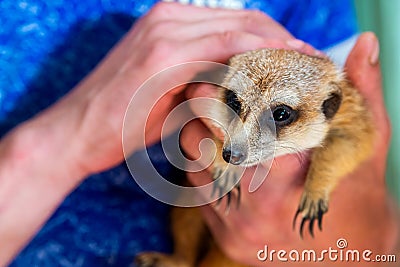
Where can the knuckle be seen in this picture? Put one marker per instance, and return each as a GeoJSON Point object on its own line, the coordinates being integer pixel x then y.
{"type": "Point", "coordinates": [159, 49]}
{"type": "Point", "coordinates": [227, 37]}
{"type": "Point", "coordinates": [277, 43]}
{"type": "Point", "coordinates": [252, 17]}
{"type": "Point", "coordinates": [159, 29]}
{"type": "Point", "coordinates": [257, 14]}
{"type": "Point", "coordinates": [161, 10]}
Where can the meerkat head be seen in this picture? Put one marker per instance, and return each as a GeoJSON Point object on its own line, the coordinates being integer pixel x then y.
{"type": "Point", "coordinates": [277, 102]}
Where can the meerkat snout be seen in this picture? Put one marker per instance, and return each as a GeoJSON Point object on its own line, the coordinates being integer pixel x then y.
{"type": "Point", "coordinates": [236, 147]}
{"type": "Point", "coordinates": [234, 156]}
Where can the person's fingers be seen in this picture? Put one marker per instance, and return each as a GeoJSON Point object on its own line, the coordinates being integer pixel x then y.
{"type": "Point", "coordinates": [202, 155]}
{"type": "Point", "coordinates": [230, 43]}
{"type": "Point", "coordinates": [191, 136]}
{"type": "Point", "coordinates": [191, 13]}
{"type": "Point", "coordinates": [363, 69]}
{"type": "Point", "coordinates": [164, 53]}
{"type": "Point", "coordinates": [224, 45]}
{"type": "Point", "coordinates": [203, 110]}
{"type": "Point", "coordinates": [302, 47]}
{"type": "Point", "coordinates": [256, 23]}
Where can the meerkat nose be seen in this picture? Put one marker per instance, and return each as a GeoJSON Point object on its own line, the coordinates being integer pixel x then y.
{"type": "Point", "coordinates": [234, 157]}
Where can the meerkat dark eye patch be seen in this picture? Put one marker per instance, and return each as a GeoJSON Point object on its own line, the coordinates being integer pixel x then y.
{"type": "Point", "coordinates": [232, 100]}
{"type": "Point", "coordinates": [331, 105]}
{"type": "Point", "coordinates": [283, 115]}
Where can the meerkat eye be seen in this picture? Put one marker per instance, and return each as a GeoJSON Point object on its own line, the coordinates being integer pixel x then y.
{"type": "Point", "coordinates": [283, 115]}
{"type": "Point", "coordinates": [232, 101]}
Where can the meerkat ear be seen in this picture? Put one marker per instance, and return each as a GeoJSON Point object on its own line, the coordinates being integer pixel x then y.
{"type": "Point", "coordinates": [331, 105]}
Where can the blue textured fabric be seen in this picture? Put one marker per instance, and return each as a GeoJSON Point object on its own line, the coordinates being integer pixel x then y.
{"type": "Point", "coordinates": [46, 47]}
{"type": "Point", "coordinates": [321, 23]}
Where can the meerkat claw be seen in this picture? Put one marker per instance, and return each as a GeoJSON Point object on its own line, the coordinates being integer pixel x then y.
{"type": "Point", "coordinates": [217, 188]}
{"type": "Point", "coordinates": [239, 194]}
{"type": "Point", "coordinates": [295, 218]}
{"type": "Point", "coordinates": [320, 214]}
{"type": "Point", "coordinates": [222, 181]}
{"type": "Point", "coordinates": [311, 227]}
{"type": "Point", "coordinates": [228, 200]}
{"type": "Point", "coordinates": [302, 226]}
{"type": "Point", "coordinates": [229, 196]}
{"type": "Point", "coordinates": [311, 210]}
{"type": "Point", "coordinates": [217, 173]}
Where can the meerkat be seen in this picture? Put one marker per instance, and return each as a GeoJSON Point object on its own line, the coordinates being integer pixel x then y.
{"type": "Point", "coordinates": [290, 102]}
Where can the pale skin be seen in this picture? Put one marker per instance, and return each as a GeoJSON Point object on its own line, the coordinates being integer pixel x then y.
{"type": "Point", "coordinates": [45, 158]}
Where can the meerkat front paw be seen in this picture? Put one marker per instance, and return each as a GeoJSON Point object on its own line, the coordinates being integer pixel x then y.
{"type": "Point", "coordinates": [224, 177]}
{"type": "Point", "coordinates": [312, 207]}
{"type": "Point", "coordinates": [155, 259]}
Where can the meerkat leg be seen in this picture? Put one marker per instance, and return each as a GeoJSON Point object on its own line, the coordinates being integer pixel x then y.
{"type": "Point", "coordinates": [340, 155]}
{"type": "Point", "coordinates": [190, 241]}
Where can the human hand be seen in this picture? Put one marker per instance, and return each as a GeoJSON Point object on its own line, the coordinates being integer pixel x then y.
{"type": "Point", "coordinates": [360, 209]}
{"type": "Point", "coordinates": [81, 134]}
{"type": "Point", "coordinates": [168, 35]}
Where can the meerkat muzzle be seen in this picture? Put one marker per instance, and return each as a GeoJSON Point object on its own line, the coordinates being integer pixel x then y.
{"type": "Point", "coordinates": [233, 156]}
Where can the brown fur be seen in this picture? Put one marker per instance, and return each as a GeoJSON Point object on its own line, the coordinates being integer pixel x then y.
{"type": "Point", "coordinates": [339, 143]}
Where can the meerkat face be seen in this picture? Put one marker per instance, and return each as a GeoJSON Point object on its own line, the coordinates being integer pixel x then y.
{"type": "Point", "coordinates": [277, 102]}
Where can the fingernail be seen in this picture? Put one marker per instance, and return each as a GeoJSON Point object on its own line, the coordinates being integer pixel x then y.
{"type": "Point", "coordinates": [374, 52]}
{"type": "Point", "coordinates": [295, 43]}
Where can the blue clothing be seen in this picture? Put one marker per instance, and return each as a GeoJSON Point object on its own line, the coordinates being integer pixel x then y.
{"type": "Point", "coordinates": [47, 47]}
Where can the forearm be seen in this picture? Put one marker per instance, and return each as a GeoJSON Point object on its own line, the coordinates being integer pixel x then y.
{"type": "Point", "coordinates": [36, 173]}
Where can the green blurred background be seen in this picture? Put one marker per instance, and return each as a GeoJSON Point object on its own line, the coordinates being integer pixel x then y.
{"type": "Point", "coordinates": [383, 18]}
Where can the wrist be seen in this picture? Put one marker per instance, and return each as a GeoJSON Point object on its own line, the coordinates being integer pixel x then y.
{"type": "Point", "coordinates": [36, 174]}
{"type": "Point", "coordinates": [44, 147]}
{"type": "Point", "coordinates": [44, 152]}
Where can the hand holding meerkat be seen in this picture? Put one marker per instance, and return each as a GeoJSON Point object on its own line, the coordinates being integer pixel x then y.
{"type": "Point", "coordinates": [310, 105]}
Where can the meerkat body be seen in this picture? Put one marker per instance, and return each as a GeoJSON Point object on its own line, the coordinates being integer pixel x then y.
{"type": "Point", "coordinates": [279, 102]}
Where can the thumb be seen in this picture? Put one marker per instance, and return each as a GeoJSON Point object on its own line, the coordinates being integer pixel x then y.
{"type": "Point", "coordinates": [363, 70]}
